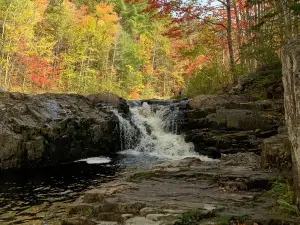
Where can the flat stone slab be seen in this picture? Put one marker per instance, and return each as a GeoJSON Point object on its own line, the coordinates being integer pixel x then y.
{"type": "Point", "coordinates": [160, 195]}
{"type": "Point", "coordinates": [140, 220]}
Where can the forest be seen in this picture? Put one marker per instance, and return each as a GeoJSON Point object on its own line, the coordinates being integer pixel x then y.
{"type": "Point", "coordinates": [139, 48]}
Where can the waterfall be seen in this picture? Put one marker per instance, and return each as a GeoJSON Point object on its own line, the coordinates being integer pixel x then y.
{"type": "Point", "coordinates": [157, 128]}
{"type": "Point", "coordinates": [128, 133]}
{"type": "Point", "coordinates": [169, 115]}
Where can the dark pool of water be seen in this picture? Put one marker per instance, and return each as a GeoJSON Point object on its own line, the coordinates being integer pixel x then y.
{"type": "Point", "coordinates": [23, 188]}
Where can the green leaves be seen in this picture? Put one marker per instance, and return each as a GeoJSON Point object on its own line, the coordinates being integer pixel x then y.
{"type": "Point", "coordinates": [295, 7]}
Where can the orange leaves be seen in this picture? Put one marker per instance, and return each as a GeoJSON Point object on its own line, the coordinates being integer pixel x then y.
{"type": "Point", "coordinates": [41, 5]}
{"type": "Point", "coordinates": [104, 19]}
{"type": "Point", "coordinates": [81, 14]}
{"type": "Point", "coordinates": [106, 13]}
{"type": "Point", "coordinates": [134, 95]}
{"type": "Point", "coordinates": [198, 63]}
{"type": "Point", "coordinates": [104, 16]}
{"type": "Point", "coordinates": [104, 8]}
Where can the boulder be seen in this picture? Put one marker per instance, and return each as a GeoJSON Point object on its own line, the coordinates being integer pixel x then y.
{"type": "Point", "coordinates": [241, 119]}
{"type": "Point", "coordinates": [47, 129]}
{"type": "Point", "coordinates": [211, 103]}
{"type": "Point", "coordinates": [249, 159]}
{"type": "Point", "coordinates": [290, 57]}
{"type": "Point", "coordinates": [110, 100]}
{"type": "Point", "coordinates": [276, 152]}
{"type": "Point", "coordinates": [242, 82]}
{"type": "Point", "coordinates": [228, 124]}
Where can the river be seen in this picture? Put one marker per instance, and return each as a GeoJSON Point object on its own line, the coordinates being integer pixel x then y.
{"type": "Point", "coordinates": [149, 137]}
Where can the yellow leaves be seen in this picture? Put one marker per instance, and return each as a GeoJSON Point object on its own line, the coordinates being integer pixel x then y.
{"type": "Point", "coordinates": [104, 20]}
{"type": "Point", "coordinates": [100, 25]}
{"type": "Point", "coordinates": [104, 8]}
{"type": "Point", "coordinates": [41, 5]}
{"type": "Point", "coordinates": [70, 6]}
{"type": "Point", "coordinates": [106, 13]}
{"type": "Point", "coordinates": [145, 47]}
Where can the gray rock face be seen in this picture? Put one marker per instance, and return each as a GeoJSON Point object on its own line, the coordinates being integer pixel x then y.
{"type": "Point", "coordinates": [212, 102]}
{"type": "Point", "coordinates": [229, 123]}
{"type": "Point", "coordinates": [276, 152]}
{"type": "Point", "coordinates": [41, 130]}
{"type": "Point", "coordinates": [291, 80]}
{"type": "Point", "coordinates": [241, 119]}
{"type": "Point", "coordinates": [241, 159]}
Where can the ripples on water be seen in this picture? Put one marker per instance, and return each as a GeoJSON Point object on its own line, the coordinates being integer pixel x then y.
{"type": "Point", "coordinates": [158, 142]}
{"type": "Point", "coordinates": [20, 190]}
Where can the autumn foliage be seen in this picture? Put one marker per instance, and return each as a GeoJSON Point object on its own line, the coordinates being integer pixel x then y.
{"type": "Point", "coordinates": [138, 48]}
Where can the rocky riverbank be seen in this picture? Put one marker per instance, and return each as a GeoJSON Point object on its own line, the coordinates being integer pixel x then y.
{"type": "Point", "coordinates": [48, 129]}
{"type": "Point", "coordinates": [188, 191]}
{"type": "Point", "coordinates": [246, 135]}
{"type": "Point", "coordinates": [229, 124]}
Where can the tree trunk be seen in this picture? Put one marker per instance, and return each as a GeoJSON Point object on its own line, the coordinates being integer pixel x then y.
{"type": "Point", "coordinates": [239, 33]}
{"type": "Point", "coordinates": [113, 59]}
{"type": "Point", "coordinates": [296, 23]}
{"type": "Point", "coordinates": [290, 69]}
{"type": "Point", "coordinates": [229, 33]}
{"type": "Point", "coordinates": [285, 12]}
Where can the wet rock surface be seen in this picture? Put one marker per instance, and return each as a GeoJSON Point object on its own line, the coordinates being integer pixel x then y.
{"type": "Point", "coordinates": [229, 124]}
{"type": "Point", "coordinates": [276, 152]}
{"type": "Point", "coordinates": [171, 192]}
{"type": "Point", "coordinates": [47, 129]}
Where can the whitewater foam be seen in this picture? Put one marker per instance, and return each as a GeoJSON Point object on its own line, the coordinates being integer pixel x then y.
{"type": "Point", "coordinates": [95, 160]}
{"type": "Point", "coordinates": [158, 134]}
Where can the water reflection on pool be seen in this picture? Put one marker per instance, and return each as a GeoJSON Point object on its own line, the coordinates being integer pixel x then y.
{"type": "Point", "coordinates": [23, 190]}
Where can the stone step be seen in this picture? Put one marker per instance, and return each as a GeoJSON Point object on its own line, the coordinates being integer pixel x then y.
{"type": "Point", "coordinates": [86, 221]}
{"type": "Point", "coordinates": [94, 210]}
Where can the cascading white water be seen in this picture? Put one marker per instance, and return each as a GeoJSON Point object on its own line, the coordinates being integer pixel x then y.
{"type": "Point", "coordinates": [158, 134]}
{"type": "Point", "coordinates": [127, 132]}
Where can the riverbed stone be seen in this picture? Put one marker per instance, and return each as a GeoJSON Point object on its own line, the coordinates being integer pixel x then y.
{"type": "Point", "coordinates": [82, 209]}
{"type": "Point", "coordinates": [240, 119]}
{"type": "Point", "coordinates": [127, 216]}
{"type": "Point", "coordinates": [157, 216]}
{"type": "Point", "coordinates": [242, 159]}
{"type": "Point", "coordinates": [78, 221]}
{"type": "Point", "coordinates": [140, 220]}
{"type": "Point", "coordinates": [107, 223]}
{"type": "Point", "coordinates": [109, 100]}
{"type": "Point", "coordinates": [94, 195]}
{"type": "Point", "coordinates": [147, 210]}
{"type": "Point", "coordinates": [276, 152]}
{"type": "Point", "coordinates": [205, 190]}
{"type": "Point", "coordinates": [211, 103]}
{"type": "Point", "coordinates": [228, 124]}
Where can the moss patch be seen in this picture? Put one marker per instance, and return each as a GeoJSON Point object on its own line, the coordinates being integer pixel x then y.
{"type": "Point", "coordinates": [194, 217]}
{"type": "Point", "coordinates": [282, 191]}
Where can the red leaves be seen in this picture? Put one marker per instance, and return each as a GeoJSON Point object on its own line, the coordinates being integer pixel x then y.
{"type": "Point", "coordinates": [42, 73]}
{"type": "Point", "coordinates": [180, 11]}
{"type": "Point", "coordinates": [196, 64]}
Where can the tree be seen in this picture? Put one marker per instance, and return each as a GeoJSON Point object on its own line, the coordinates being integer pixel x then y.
{"type": "Point", "coordinates": [18, 19]}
